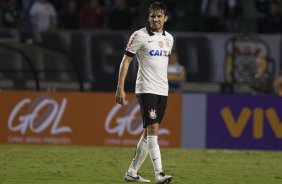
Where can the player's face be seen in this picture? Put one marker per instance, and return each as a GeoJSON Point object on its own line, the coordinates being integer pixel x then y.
{"type": "Point", "coordinates": [157, 19]}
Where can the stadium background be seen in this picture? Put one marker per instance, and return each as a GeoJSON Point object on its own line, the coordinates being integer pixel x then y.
{"type": "Point", "coordinates": [59, 122]}
{"type": "Point", "coordinates": [74, 72]}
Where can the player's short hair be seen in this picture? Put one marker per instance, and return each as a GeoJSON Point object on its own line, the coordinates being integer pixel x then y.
{"type": "Point", "coordinates": [157, 6]}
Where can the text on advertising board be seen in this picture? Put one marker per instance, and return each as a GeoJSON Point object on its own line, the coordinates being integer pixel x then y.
{"type": "Point", "coordinates": [244, 122]}
{"type": "Point", "coordinates": [236, 126]}
{"type": "Point", "coordinates": [130, 121]}
{"type": "Point", "coordinates": [41, 113]}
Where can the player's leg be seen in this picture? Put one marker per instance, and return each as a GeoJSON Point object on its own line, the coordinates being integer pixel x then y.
{"type": "Point", "coordinates": [152, 110]}
{"type": "Point", "coordinates": [155, 154]}
{"type": "Point", "coordinates": [141, 149]}
{"type": "Point", "coordinates": [140, 155]}
{"type": "Point", "coordinates": [152, 140]}
{"type": "Point", "coordinates": [153, 147]}
{"type": "Point", "coordinates": [150, 115]}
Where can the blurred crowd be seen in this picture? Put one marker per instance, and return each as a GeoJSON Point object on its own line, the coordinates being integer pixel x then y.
{"type": "Point", "coordinates": [259, 16]}
{"type": "Point", "coordinates": [42, 15]}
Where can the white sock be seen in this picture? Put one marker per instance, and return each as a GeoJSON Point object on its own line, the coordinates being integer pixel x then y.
{"type": "Point", "coordinates": [154, 152]}
{"type": "Point", "coordinates": [141, 153]}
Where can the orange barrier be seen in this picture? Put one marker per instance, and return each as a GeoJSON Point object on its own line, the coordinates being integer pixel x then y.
{"type": "Point", "coordinates": [80, 119]}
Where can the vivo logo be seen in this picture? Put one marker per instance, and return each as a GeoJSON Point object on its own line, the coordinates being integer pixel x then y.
{"type": "Point", "coordinates": [256, 116]}
{"type": "Point", "coordinates": [41, 113]}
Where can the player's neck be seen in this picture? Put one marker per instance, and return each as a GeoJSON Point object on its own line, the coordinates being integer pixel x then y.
{"type": "Point", "coordinates": [157, 31]}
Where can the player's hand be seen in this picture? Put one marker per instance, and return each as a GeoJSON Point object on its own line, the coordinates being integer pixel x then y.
{"type": "Point", "coordinates": [120, 96]}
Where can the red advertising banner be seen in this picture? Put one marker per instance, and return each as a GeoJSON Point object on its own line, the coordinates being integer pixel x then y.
{"type": "Point", "coordinates": [80, 119]}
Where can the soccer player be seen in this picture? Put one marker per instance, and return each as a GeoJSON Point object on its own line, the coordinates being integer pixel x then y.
{"type": "Point", "coordinates": [152, 46]}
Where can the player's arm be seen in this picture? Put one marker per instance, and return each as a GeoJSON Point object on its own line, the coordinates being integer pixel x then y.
{"type": "Point", "coordinates": [120, 93]}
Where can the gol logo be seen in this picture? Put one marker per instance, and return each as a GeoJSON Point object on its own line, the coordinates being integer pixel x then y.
{"type": "Point", "coordinates": [130, 121]}
{"type": "Point", "coordinates": [41, 113]}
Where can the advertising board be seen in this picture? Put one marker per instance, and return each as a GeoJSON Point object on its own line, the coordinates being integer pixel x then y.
{"type": "Point", "coordinates": [80, 119]}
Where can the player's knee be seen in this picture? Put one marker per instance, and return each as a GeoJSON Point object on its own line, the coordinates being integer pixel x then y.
{"type": "Point", "coordinates": [153, 129]}
{"type": "Point", "coordinates": [145, 133]}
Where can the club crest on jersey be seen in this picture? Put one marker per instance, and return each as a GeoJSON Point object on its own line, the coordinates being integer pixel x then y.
{"type": "Point", "coordinates": [161, 44]}
{"type": "Point", "coordinates": [152, 114]}
{"type": "Point", "coordinates": [164, 53]}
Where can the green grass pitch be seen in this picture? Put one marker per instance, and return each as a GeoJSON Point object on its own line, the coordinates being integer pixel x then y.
{"type": "Point", "coordinates": [30, 164]}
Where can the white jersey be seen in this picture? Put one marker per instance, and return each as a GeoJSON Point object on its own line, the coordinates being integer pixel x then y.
{"type": "Point", "coordinates": [152, 51]}
{"type": "Point", "coordinates": [43, 14]}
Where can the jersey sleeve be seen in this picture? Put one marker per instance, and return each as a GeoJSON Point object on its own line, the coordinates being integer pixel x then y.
{"type": "Point", "coordinates": [133, 44]}
{"type": "Point", "coordinates": [172, 44]}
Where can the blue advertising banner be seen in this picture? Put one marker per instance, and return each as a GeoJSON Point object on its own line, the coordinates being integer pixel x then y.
{"type": "Point", "coordinates": [244, 122]}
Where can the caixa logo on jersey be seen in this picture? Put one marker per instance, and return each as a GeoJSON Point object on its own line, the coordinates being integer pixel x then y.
{"type": "Point", "coordinates": [38, 115]}
{"type": "Point", "coordinates": [164, 53]}
{"type": "Point", "coordinates": [130, 121]}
